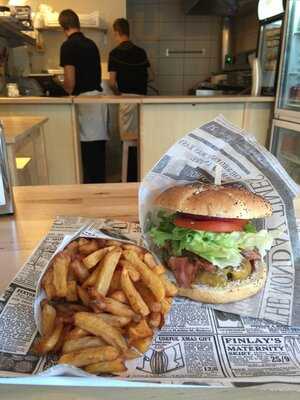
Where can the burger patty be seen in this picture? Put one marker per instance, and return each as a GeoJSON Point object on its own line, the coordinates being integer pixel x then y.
{"type": "Point", "coordinates": [185, 268]}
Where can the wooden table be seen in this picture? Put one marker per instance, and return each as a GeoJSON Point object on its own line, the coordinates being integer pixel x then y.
{"type": "Point", "coordinates": [36, 207]}
{"type": "Point", "coordinates": [24, 137]}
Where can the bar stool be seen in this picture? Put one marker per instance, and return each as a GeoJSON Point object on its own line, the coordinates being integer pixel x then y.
{"type": "Point", "coordinates": [128, 139]}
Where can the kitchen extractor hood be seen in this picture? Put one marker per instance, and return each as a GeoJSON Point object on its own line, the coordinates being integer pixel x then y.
{"type": "Point", "coordinates": [225, 8]}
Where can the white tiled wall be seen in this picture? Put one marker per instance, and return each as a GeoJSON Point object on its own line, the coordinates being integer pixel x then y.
{"type": "Point", "coordinates": [157, 25]}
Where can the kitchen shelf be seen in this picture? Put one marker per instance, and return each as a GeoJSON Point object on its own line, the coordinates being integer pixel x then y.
{"type": "Point", "coordinates": [59, 29]}
{"type": "Point", "coordinates": [14, 32]}
{"type": "Point", "coordinates": [290, 157]}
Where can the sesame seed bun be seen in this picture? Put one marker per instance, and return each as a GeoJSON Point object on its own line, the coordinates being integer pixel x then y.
{"type": "Point", "coordinates": [233, 291]}
{"type": "Point", "coordinates": [214, 201]}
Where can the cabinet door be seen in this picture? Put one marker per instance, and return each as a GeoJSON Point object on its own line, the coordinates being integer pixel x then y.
{"type": "Point", "coordinates": [269, 48]}
{"type": "Point", "coordinates": [286, 147]}
{"type": "Point", "coordinates": [289, 90]}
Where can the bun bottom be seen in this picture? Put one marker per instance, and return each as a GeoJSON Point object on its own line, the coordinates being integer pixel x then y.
{"type": "Point", "coordinates": [234, 291]}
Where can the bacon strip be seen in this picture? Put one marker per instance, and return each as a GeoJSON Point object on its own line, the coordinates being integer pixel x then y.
{"type": "Point", "coordinates": [185, 269]}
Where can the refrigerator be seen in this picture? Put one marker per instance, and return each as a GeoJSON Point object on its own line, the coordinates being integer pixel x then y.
{"type": "Point", "coordinates": [285, 132]}
{"type": "Point", "coordinates": [268, 52]}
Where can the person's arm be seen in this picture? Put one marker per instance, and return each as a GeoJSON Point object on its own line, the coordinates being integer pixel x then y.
{"type": "Point", "coordinates": [113, 82]}
{"type": "Point", "coordinates": [151, 74]}
{"type": "Point", "coordinates": [69, 78]}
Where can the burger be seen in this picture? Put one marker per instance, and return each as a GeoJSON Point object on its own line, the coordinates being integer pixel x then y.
{"type": "Point", "coordinates": [207, 238]}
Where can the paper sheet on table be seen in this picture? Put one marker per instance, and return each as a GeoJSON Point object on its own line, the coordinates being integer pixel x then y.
{"type": "Point", "coordinates": [243, 161]}
{"type": "Point", "coordinates": [197, 345]}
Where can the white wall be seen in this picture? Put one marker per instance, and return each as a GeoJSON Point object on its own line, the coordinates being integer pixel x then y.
{"type": "Point", "coordinates": [160, 24]}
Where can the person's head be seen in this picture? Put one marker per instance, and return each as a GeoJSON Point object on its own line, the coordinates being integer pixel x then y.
{"type": "Point", "coordinates": [121, 29]}
{"type": "Point", "coordinates": [69, 21]}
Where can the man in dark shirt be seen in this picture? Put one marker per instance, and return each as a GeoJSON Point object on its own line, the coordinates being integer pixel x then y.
{"type": "Point", "coordinates": [80, 58]}
{"type": "Point", "coordinates": [129, 72]}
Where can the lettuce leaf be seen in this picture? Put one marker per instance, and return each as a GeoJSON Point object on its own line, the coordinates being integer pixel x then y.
{"type": "Point", "coordinates": [221, 249]}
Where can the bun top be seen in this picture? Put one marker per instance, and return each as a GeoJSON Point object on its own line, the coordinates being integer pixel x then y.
{"type": "Point", "coordinates": [214, 201]}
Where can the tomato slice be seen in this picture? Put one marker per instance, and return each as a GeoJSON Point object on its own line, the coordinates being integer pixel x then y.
{"type": "Point", "coordinates": [211, 225]}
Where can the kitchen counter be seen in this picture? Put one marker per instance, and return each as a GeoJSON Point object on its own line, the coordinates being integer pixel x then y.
{"type": "Point", "coordinates": [163, 120]}
{"type": "Point", "coordinates": [36, 100]}
{"type": "Point", "coordinates": [206, 99]}
{"type": "Point", "coordinates": [136, 99]}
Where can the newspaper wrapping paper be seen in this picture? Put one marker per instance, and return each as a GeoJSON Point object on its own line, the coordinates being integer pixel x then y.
{"type": "Point", "coordinates": [197, 345]}
{"type": "Point", "coordinates": [244, 163]}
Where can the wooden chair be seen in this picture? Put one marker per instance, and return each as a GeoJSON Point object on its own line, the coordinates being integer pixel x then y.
{"type": "Point", "coordinates": [128, 139]}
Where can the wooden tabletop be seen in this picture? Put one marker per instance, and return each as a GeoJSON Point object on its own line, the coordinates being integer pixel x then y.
{"type": "Point", "coordinates": [18, 127]}
{"type": "Point", "coordinates": [37, 206]}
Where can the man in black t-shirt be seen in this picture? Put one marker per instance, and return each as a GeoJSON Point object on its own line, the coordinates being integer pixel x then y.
{"type": "Point", "coordinates": [80, 58]}
{"type": "Point", "coordinates": [129, 72]}
{"type": "Point", "coordinates": [128, 64]}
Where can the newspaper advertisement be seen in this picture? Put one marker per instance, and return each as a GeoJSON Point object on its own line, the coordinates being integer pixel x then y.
{"type": "Point", "coordinates": [197, 343]}
{"type": "Point", "coordinates": [245, 164]}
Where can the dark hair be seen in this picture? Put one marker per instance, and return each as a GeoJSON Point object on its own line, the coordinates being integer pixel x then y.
{"type": "Point", "coordinates": [69, 19]}
{"type": "Point", "coordinates": [121, 25]}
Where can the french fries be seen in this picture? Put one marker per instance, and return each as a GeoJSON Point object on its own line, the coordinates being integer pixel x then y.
{"type": "Point", "coordinates": [79, 270]}
{"type": "Point", "coordinates": [107, 367]}
{"type": "Point", "coordinates": [83, 295]}
{"type": "Point", "coordinates": [114, 307]}
{"type": "Point", "coordinates": [140, 330]}
{"type": "Point", "coordinates": [47, 283]}
{"type": "Point", "coordinates": [149, 260]}
{"type": "Point", "coordinates": [87, 246]}
{"type": "Point", "coordinates": [104, 300]}
{"type": "Point", "coordinates": [142, 345]}
{"type": "Point", "coordinates": [115, 320]}
{"type": "Point", "coordinates": [155, 319]}
{"type": "Point", "coordinates": [92, 259]}
{"type": "Point", "coordinates": [82, 343]}
{"type": "Point", "coordinates": [133, 273]}
{"type": "Point", "coordinates": [98, 327]}
{"type": "Point", "coordinates": [148, 296]}
{"type": "Point", "coordinates": [48, 319]}
{"type": "Point", "coordinates": [120, 296]}
{"type": "Point", "coordinates": [159, 269]}
{"type": "Point", "coordinates": [115, 283]}
{"type": "Point", "coordinates": [170, 288]}
{"type": "Point", "coordinates": [76, 333]}
{"type": "Point", "coordinates": [60, 273]}
{"type": "Point", "coordinates": [71, 291]}
{"type": "Point", "coordinates": [47, 343]}
{"type": "Point", "coordinates": [108, 266]}
{"type": "Point", "coordinates": [91, 280]}
{"type": "Point", "coordinates": [88, 356]}
{"type": "Point", "coordinates": [135, 299]}
{"type": "Point", "coordinates": [148, 277]}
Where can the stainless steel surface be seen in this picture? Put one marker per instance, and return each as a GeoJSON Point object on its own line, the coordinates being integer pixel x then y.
{"type": "Point", "coordinates": [226, 39]}
{"type": "Point", "coordinates": [208, 92]}
{"type": "Point", "coordinates": [219, 7]}
{"type": "Point", "coordinates": [256, 77]}
{"type": "Point", "coordinates": [6, 196]}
